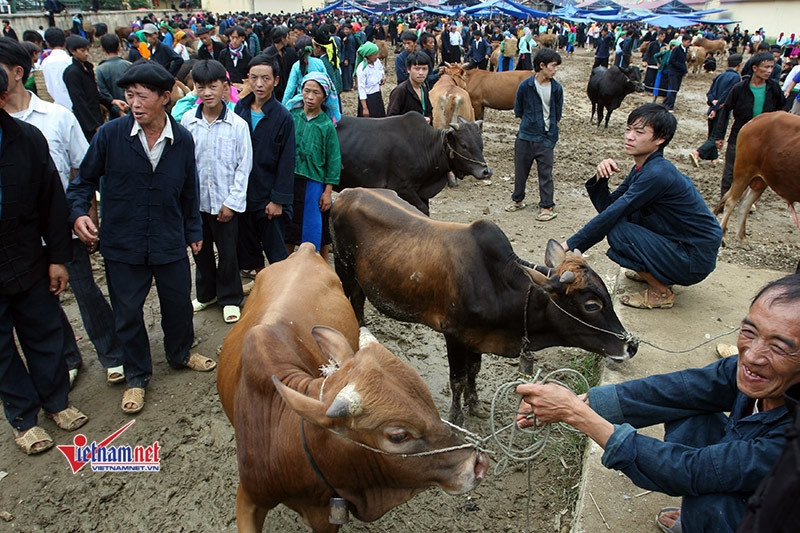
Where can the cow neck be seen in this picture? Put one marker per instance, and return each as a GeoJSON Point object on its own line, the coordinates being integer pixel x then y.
{"type": "Point", "coordinates": [311, 461]}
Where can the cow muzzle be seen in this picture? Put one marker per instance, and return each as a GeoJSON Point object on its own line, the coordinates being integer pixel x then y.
{"type": "Point", "coordinates": [469, 475]}
{"type": "Point", "coordinates": [628, 351]}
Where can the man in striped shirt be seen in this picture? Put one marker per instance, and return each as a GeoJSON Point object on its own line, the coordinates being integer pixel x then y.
{"type": "Point", "coordinates": [224, 158]}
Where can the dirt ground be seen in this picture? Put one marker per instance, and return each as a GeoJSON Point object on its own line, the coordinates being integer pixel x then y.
{"type": "Point", "coordinates": [195, 489]}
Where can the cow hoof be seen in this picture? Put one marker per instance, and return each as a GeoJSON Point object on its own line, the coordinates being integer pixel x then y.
{"type": "Point", "coordinates": [452, 181]}
{"type": "Point", "coordinates": [456, 417]}
{"type": "Point", "coordinates": [479, 410]}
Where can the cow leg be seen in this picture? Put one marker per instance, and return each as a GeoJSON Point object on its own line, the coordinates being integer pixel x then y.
{"type": "Point", "coordinates": [594, 109]}
{"type": "Point", "coordinates": [352, 289]}
{"type": "Point", "coordinates": [753, 194]}
{"type": "Point", "coordinates": [608, 115]}
{"type": "Point", "coordinates": [250, 517]}
{"type": "Point", "coordinates": [475, 406]}
{"type": "Point", "coordinates": [458, 360]}
{"type": "Point", "coordinates": [599, 114]}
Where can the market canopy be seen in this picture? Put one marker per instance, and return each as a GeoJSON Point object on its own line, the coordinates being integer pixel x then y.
{"type": "Point", "coordinates": [345, 5]}
{"type": "Point", "coordinates": [667, 21]}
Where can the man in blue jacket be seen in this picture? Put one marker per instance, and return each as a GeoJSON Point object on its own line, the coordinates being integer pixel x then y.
{"type": "Point", "coordinates": [656, 222]}
{"type": "Point", "coordinates": [479, 51]}
{"type": "Point", "coordinates": [539, 103]}
{"type": "Point", "coordinates": [716, 97]}
{"type": "Point", "coordinates": [151, 213]}
{"type": "Point", "coordinates": [677, 70]}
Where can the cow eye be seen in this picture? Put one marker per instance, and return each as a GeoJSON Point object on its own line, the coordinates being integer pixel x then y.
{"type": "Point", "coordinates": [397, 437]}
{"type": "Point", "coordinates": [592, 306]}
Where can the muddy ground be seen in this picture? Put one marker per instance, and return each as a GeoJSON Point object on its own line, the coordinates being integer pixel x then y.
{"type": "Point", "coordinates": [195, 489]}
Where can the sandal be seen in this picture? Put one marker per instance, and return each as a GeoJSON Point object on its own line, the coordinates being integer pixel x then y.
{"type": "Point", "coordinates": [231, 314]}
{"type": "Point", "coordinates": [198, 306]}
{"type": "Point", "coordinates": [640, 300]}
{"type": "Point", "coordinates": [69, 419]}
{"type": "Point", "coordinates": [249, 274]}
{"type": "Point", "coordinates": [135, 396]}
{"type": "Point", "coordinates": [115, 374]}
{"type": "Point", "coordinates": [634, 276]}
{"type": "Point", "coordinates": [247, 287]}
{"type": "Point", "coordinates": [546, 217]}
{"type": "Point", "coordinates": [695, 159]}
{"type": "Point", "coordinates": [27, 440]}
{"type": "Point", "coordinates": [726, 350]}
{"type": "Point", "coordinates": [516, 206]}
{"type": "Point", "coordinates": [200, 363]}
{"type": "Point", "coordinates": [73, 375]}
{"type": "Point", "coordinates": [676, 527]}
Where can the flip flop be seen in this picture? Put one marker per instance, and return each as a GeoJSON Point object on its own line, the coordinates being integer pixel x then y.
{"type": "Point", "coordinates": [27, 442]}
{"type": "Point", "coordinates": [134, 395]}
{"type": "Point", "coordinates": [200, 363]}
{"type": "Point", "coordinates": [546, 217]}
{"type": "Point", "coordinates": [115, 374]}
{"type": "Point", "coordinates": [676, 527]}
{"type": "Point", "coordinates": [231, 314]}
{"type": "Point", "coordinates": [198, 306]}
{"type": "Point", "coordinates": [639, 300]}
{"type": "Point", "coordinates": [69, 419]}
{"type": "Point", "coordinates": [513, 207]}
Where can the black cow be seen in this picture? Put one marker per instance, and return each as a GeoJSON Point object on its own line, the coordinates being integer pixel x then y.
{"type": "Point", "coordinates": [609, 86]}
{"type": "Point", "coordinates": [405, 154]}
{"type": "Point", "coordinates": [465, 281]}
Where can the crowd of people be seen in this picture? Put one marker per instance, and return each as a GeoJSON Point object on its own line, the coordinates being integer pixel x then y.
{"type": "Point", "coordinates": [246, 162]}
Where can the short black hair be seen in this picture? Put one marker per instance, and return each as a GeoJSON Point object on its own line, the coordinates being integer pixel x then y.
{"type": "Point", "coordinates": [757, 59]}
{"type": "Point", "coordinates": [657, 117]}
{"type": "Point", "coordinates": [110, 43]}
{"type": "Point", "coordinates": [279, 32]}
{"type": "Point", "coordinates": [418, 58]}
{"type": "Point", "coordinates": [424, 36]}
{"type": "Point", "coordinates": [208, 71]}
{"type": "Point", "coordinates": [238, 30]}
{"type": "Point", "coordinates": [14, 55]}
{"type": "Point", "coordinates": [32, 36]}
{"type": "Point", "coordinates": [3, 81]}
{"type": "Point", "coordinates": [546, 56]}
{"type": "Point", "coordinates": [55, 36]}
{"type": "Point", "coordinates": [734, 60]}
{"type": "Point", "coordinates": [787, 288]}
{"type": "Point", "coordinates": [271, 60]}
{"type": "Point", "coordinates": [408, 36]}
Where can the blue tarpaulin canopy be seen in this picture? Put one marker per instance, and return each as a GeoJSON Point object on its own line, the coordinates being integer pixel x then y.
{"type": "Point", "coordinates": [345, 5]}
{"type": "Point", "coordinates": [666, 21]}
{"type": "Point", "coordinates": [493, 6]}
{"type": "Point", "coordinates": [716, 21]}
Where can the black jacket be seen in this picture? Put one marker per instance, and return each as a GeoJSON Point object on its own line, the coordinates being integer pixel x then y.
{"type": "Point", "coordinates": [163, 55]}
{"type": "Point", "coordinates": [404, 99]}
{"type": "Point", "coordinates": [203, 53]}
{"type": "Point", "coordinates": [677, 61]}
{"type": "Point", "coordinates": [33, 208]}
{"type": "Point", "coordinates": [740, 103]}
{"type": "Point", "coordinates": [238, 72]}
{"type": "Point", "coordinates": [287, 58]}
{"type": "Point", "coordinates": [86, 99]}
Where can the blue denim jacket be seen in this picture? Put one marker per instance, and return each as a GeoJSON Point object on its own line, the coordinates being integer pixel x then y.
{"type": "Point", "coordinates": [714, 461]}
{"type": "Point", "coordinates": [528, 107]}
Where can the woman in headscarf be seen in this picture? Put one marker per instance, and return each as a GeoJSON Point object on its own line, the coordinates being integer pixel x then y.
{"type": "Point", "coordinates": [306, 63]}
{"type": "Point", "coordinates": [370, 76]}
{"type": "Point", "coordinates": [524, 48]}
{"type": "Point", "coordinates": [322, 45]}
{"type": "Point", "coordinates": [317, 165]}
{"type": "Point", "coordinates": [180, 47]}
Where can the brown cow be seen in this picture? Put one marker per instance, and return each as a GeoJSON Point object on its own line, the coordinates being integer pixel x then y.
{"type": "Point", "coordinates": [449, 101]}
{"type": "Point", "coordinates": [717, 46]}
{"type": "Point", "coordinates": [465, 281]}
{"type": "Point", "coordinates": [695, 56]}
{"type": "Point", "coordinates": [550, 40]}
{"type": "Point", "coordinates": [123, 32]}
{"type": "Point", "coordinates": [298, 431]}
{"type": "Point", "coordinates": [765, 151]}
{"type": "Point", "coordinates": [488, 89]}
{"type": "Point", "coordinates": [494, 57]}
{"type": "Point", "coordinates": [383, 50]}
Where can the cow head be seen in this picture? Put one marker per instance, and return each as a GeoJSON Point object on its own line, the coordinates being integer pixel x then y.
{"type": "Point", "coordinates": [464, 147]}
{"type": "Point", "coordinates": [634, 76]}
{"type": "Point", "coordinates": [457, 72]}
{"type": "Point", "coordinates": [377, 399]}
{"type": "Point", "coordinates": [577, 306]}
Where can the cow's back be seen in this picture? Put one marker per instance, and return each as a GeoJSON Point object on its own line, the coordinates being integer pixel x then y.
{"type": "Point", "coordinates": [449, 101]}
{"type": "Point", "coordinates": [494, 89]}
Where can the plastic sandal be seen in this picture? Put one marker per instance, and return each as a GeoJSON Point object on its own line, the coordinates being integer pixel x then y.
{"type": "Point", "coordinates": [200, 363]}
{"type": "Point", "coordinates": [115, 374]}
{"type": "Point", "coordinates": [231, 313]}
{"type": "Point", "coordinates": [134, 395]}
{"type": "Point", "coordinates": [27, 440]}
{"type": "Point", "coordinates": [69, 419]}
{"type": "Point", "coordinates": [198, 306]}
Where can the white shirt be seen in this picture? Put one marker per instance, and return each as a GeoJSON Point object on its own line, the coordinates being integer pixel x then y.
{"type": "Point", "coordinates": [790, 77]}
{"type": "Point", "coordinates": [544, 92]}
{"type": "Point", "coordinates": [154, 154]}
{"type": "Point", "coordinates": [224, 156]}
{"type": "Point", "coordinates": [53, 67]}
{"type": "Point", "coordinates": [369, 78]}
{"type": "Point", "coordinates": [455, 38]}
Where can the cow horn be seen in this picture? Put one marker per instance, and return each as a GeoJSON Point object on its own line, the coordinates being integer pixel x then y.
{"type": "Point", "coordinates": [479, 123]}
{"type": "Point", "coordinates": [567, 277]}
{"type": "Point", "coordinates": [347, 403]}
{"type": "Point", "coordinates": [365, 337]}
{"type": "Point", "coordinates": [454, 126]}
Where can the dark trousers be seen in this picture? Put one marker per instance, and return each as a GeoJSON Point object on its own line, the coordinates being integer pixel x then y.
{"type": "Point", "coordinates": [96, 313]}
{"type": "Point", "coordinates": [525, 153]}
{"type": "Point", "coordinates": [34, 315]}
{"type": "Point", "coordinates": [600, 62]}
{"type": "Point", "coordinates": [259, 236]}
{"type": "Point", "coordinates": [347, 77]}
{"type": "Point", "coordinates": [727, 170]}
{"type": "Point", "coordinates": [72, 354]}
{"type": "Point", "coordinates": [218, 279]}
{"type": "Point", "coordinates": [128, 286]}
{"type": "Point", "coordinates": [524, 62]}
{"type": "Point", "coordinates": [675, 79]}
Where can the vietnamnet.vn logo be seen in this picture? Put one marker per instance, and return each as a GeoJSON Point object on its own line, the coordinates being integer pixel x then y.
{"type": "Point", "coordinates": [107, 458]}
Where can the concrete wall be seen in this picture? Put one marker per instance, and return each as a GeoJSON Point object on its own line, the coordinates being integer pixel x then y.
{"type": "Point", "coordinates": [774, 16]}
{"type": "Point", "coordinates": [263, 6]}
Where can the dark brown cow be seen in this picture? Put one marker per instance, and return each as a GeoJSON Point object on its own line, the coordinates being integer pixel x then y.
{"type": "Point", "coordinates": [288, 417]}
{"type": "Point", "coordinates": [765, 157]}
{"type": "Point", "coordinates": [488, 89]}
{"type": "Point", "coordinates": [465, 281]}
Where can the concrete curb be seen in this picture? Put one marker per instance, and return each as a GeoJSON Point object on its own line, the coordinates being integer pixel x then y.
{"type": "Point", "coordinates": [714, 306]}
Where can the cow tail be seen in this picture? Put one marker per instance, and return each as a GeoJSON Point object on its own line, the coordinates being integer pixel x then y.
{"type": "Point", "coordinates": [450, 108]}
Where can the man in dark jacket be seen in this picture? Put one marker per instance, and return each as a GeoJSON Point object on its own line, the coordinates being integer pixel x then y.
{"type": "Point", "coordinates": [270, 188]}
{"type": "Point", "coordinates": [150, 214]}
{"type": "Point", "coordinates": [236, 57]}
{"type": "Point", "coordinates": [650, 63]}
{"type": "Point", "coordinates": [349, 47]}
{"type": "Point", "coordinates": [159, 52]}
{"type": "Point", "coordinates": [210, 48]}
{"type": "Point", "coordinates": [287, 57]}
{"type": "Point", "coordinates": [412, 94]}
{"type": "Point", "coordinates": [755, 94]}
{"type": "Point", "coordinates": [603, 49]}
{"type": "Point", "coordinates": [677, 70]}
{"type": "Point", "coordinates": [31, 278]}
{"type": "Point", "coordinates": [479, 51]}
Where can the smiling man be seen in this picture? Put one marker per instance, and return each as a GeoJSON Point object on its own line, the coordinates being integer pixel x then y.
{"type": "Point", "coordinates": [656, 222]}
{"type": "Point", "coordinates": [712, 459]}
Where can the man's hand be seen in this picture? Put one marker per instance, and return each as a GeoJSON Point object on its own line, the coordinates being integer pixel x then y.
{"type": "Point", "coordinates": [606, 168]}
{"type": "Point", "coordinates": [325, 200]}
{"type": "Point", "coordinates": [121, 104]}
{"type": "Point", "coordinates": [719, 143]}
{"type": "Point", "coordinates": [196, 247]}
{"type": "Point", "coordinates": [548, 401]}
{"type": "Point", "coordinates": [712, 114]}
{"type": "Point", "coordinates": [58, 278]}
{"type": "Point", "coordinates": [273, 210]}
{"type": "Point", "coordinates": [85, 229]}
{"type": "Point", "coordinates": [225, 214]}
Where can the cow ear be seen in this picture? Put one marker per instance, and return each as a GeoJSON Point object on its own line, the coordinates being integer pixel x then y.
{"type": "Point", "coordinates": [536, 277]}
{"type": "Point", "coordinates": [308, 408]}
{"type": "Point", "coordinates": [333, 344]}
{"type": "Point", "coordinates": [554, 254]}
{"type": "Point", "coordinates": [462, 120]}
{"type": "Point", "coordinates": [479, 123]}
